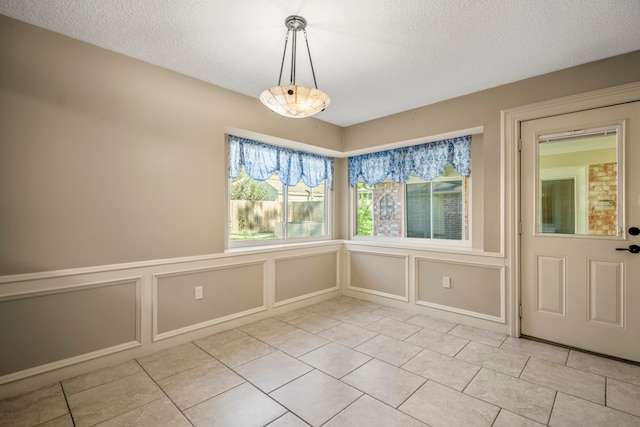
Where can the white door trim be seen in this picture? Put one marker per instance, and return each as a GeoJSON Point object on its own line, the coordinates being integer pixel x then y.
{"type": "Point", "coordinates": [510, 185]}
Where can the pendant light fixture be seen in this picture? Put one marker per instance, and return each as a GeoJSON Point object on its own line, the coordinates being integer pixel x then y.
{"type": "Point", "coordinates": [294, 100]}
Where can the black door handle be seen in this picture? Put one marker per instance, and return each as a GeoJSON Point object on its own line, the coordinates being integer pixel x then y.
{"type": "Point", "coordinates": [634, 249]}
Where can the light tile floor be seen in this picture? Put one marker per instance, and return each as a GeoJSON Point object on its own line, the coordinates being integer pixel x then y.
{"type": "Point", "coordinates": [345, 362]}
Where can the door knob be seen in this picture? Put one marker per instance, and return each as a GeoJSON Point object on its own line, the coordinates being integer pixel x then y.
{"type": "Point", "coordinates": [634, 231]}
{"type": "Point", "coordinates": [634, 249]}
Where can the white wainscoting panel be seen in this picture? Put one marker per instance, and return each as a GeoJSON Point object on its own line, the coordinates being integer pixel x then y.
{"type": "Point", "coordinates": [476, 289]}
{"type": "Point", "coordinates": [43, 330]}
{"type": "Point", "coordinates": [383, 274]}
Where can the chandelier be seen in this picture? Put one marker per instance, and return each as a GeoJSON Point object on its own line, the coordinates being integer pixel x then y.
{"type": "Point", "coordinates": [294, 100]}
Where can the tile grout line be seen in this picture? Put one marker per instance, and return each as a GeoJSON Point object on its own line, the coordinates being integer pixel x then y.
{"type": "Point", "coordinates": [108, 382]}
{"type": "Point", "coordinates": [163, 392]}
{"type": "Point", "coordinates": [411, 395]}
{"type": "Point", "coordinates": [529, 382]}
{"type": "Point", "coordinates": [246, 380]}
{"type": "Point", "coordinates": [555, 397]}
{"type": "Point", "coordinates": [66, 401]}
{"type": "Point", "coordinates": [524, 367]}
{"type": "Point", "coordinates": [493, 423]}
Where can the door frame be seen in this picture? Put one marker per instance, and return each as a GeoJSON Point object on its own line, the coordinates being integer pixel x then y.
{"type": "Point", "coordinates": [511, 179]}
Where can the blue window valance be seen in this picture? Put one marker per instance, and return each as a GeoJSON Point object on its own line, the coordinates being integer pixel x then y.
{"type": "Point", "coordinates": [261, 161]}
{"type": "Point", "coordinates": [428, 161]}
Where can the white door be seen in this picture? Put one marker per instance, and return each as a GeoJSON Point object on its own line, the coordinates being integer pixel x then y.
{"type": "Point", "coordinates": [580, 213]}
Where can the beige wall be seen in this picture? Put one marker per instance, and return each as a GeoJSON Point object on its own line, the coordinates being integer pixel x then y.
{"type": "Point", "coordinates": [483, 109]}
{"type": "Point", "coordinates": [105, 159]}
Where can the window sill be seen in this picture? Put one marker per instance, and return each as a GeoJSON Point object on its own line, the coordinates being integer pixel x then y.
{"type": "Point", "coordinates": [462, 248]}
{"type": "Point", "coordinates": [281, 246]}
{"type": "Point", "coordinates": [442, 249]}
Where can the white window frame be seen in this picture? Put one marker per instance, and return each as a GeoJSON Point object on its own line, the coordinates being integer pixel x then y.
{"type": "Point", "coordinates": [329, 195]}
{"type": "Point", "coordinates": [285, 239]}
{"type": "Point", "coordinates": [413, 241]}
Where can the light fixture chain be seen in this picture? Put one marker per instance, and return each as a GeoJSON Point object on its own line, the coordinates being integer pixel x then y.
{"type": "Point", "coordinates": [294, 48]}
{"type": "Point", "coordinates": [284, 54]}
{"type": "Point", "coordinates": [313, 73]}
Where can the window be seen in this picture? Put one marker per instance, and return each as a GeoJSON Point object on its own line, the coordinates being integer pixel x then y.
{"type": "Point", "coordinates": [276, 194]}
{"type": "Point", "coordinates": [436, 209]}
{"type": "Point", "coordinates": [417, 192]}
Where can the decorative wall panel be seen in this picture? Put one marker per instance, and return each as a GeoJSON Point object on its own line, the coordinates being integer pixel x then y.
{"type": "Point", "coordinates": [47, 327]}
{"type": "Point", "coordinates": [379, 273]}
{"type": "Point", "coordinates": [310, 274]}
{"type": "Point", "coordinates": [227, 291]}
{"type": "Point", "coordinates": [474, 289]}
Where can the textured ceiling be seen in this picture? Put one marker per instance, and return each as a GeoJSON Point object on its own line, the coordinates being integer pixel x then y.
{"type": "Point", "coordinates": [373, 57]}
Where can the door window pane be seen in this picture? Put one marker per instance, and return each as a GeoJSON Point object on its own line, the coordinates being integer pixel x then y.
{"type": "Point", "coordinates": [578, 184]}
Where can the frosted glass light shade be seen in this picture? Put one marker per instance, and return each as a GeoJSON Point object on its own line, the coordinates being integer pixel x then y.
{"type": "Point", "coordinates": [295, 101]}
